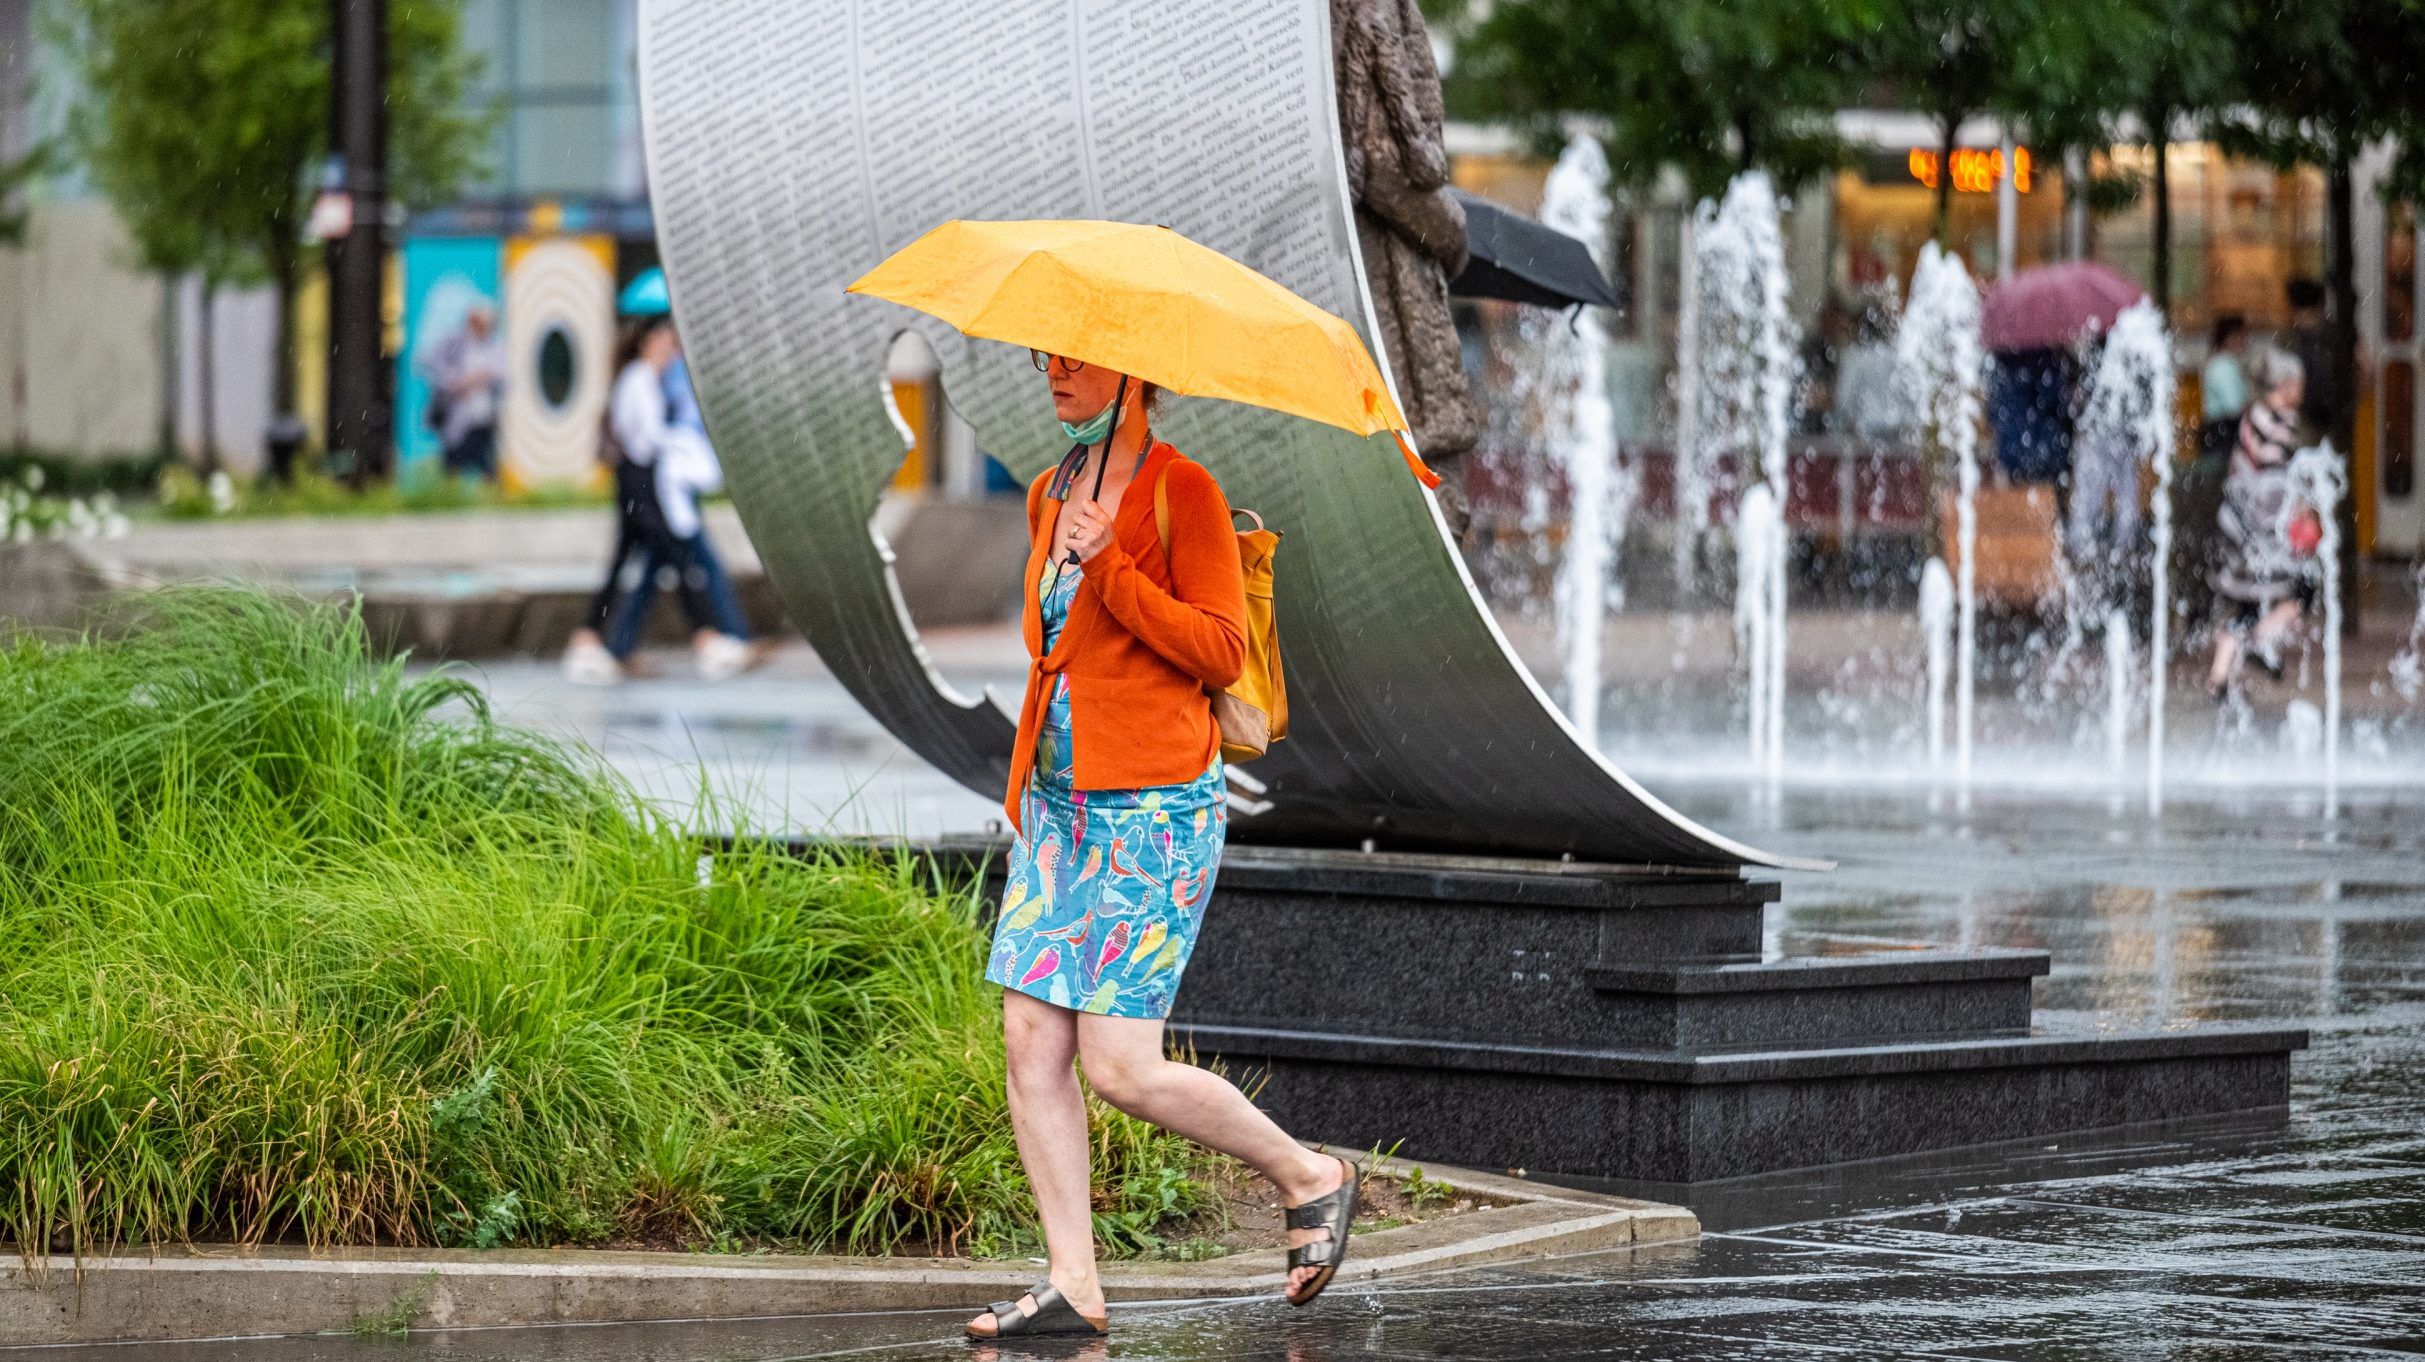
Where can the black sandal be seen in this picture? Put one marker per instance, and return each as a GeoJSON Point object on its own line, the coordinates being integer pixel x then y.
{"type": "Point", "coordinates": [1334, 1211]}
{"type": "Point", "coordinates": [1054, 1316]}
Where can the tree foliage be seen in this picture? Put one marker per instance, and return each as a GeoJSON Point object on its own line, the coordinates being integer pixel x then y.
{"type": "Point", "coordinates": [2320, 80]}
{"type": "Point", "coordinates": [2092, 75]}
{"type": "Point", "coordinates": [1954, 60]}
{"type": "Point", "coordinates": [1710, 88]}
{"type": "Point", "coordinates": [205, 121]}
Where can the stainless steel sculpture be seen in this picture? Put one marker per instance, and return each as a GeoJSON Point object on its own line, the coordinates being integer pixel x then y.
{"type": "Point", "coordinates": [792, 145]}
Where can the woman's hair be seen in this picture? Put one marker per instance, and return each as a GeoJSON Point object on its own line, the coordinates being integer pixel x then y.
{"type": "Point", "coordinates": [2227, 326]}
{"type": "Point", "coordinates": [634, 338]}
{"type": "Point", "coordinates": [1151, 397]}
{"type": "Point", "coordinates": [2276, 367]}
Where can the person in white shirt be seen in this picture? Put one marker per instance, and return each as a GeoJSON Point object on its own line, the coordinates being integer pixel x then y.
{"type": "Point", "coordinates": [465, 376]}
{"type": "Point", "coordinates": [660, 471]}
{"type": "Point", "coordinates": [2223, 386]}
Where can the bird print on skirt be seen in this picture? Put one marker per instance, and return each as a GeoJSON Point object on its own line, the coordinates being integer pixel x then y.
{"type": "Point", "coordinates": [1106, 887]}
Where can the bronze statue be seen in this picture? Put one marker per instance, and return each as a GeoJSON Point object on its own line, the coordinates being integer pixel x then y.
{"type": "Point", "coordinates": [1410, 229]}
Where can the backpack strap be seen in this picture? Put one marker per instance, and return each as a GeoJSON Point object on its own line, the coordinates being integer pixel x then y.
{"type": "Point", "coordinates": [1162, 509]}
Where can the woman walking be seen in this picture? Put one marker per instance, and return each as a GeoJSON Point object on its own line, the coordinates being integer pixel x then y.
{"type": "Point", "coordinates": [1118, 798]}
{"type": "Point", "coordinates": [639, 433]}
{"type": "Point", "coordinates": [2264, 578]}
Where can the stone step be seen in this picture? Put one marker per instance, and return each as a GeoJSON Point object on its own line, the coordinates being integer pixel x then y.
{"type": "Point", "coordinates": [1618, 1022]}
{"type": "Point", "coordinates": [1892, 995]}
{"type": "Point", "coordinates": [1679, 1116]}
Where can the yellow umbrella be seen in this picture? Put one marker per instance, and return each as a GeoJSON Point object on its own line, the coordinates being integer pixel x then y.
{"type": "Point", "coordinates": [1150, 303]}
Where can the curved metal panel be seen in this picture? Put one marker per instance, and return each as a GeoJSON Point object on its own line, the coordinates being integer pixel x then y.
{"type": "Point", "coordinates": [792, 146]}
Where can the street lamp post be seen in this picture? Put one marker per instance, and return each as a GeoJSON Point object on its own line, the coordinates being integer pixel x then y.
{"type": "Point", "coordinates": [357, 390]}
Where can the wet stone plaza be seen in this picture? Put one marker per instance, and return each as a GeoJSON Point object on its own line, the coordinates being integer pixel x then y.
{"type": "Point", "coordinates": [2302, 1237]}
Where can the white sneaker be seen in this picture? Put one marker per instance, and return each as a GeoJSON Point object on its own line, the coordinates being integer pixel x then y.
{"type": "Point", "coordinates": [724, 657]}
{"type": "Point", "coordinates": [589, 664]}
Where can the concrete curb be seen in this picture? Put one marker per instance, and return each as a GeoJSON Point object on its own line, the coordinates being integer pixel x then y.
{"type": "Point", "coordinates": [222, 1292]}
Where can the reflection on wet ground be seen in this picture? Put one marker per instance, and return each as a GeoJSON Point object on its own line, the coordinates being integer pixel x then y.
{"type": "Point", "coordinates": [2212, 1241]}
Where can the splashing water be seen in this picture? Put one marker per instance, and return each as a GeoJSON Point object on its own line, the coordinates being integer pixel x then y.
{"type": "Point", "coordinates": [2117, 691]}
{"type": "Point", "coordinates": [2302, 730]}
{"type": "Point", "coordinates": [1746, 341]}
{"type": "Point", "coordinates": [2159, 627]}
{"type": "Point", "coordinates": [1998, 707]}
{"type": "Point", "coordinates": [1578, 425]}
{"type": "Point", "coordinates": [1936, 627]}
{"type": "Point", "coordinates": [2320, 478]}
{"type": "Point", "coordinates": [1758, 628]}
{"type": "Point", "coordinates": [1940, 367]}
{"type": "Point", "coordinates": [2126, 425]}
{"type": "Point", "coordinates": [1691, 442]}
{"type": "Point", "coordinates": [2408, 665]}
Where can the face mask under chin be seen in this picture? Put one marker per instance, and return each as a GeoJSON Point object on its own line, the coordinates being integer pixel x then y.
{"type": "Point", "coordinates": [1092, 430]}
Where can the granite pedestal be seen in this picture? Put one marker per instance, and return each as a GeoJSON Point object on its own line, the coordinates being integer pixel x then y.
{"type": "Point", "coordinates": [1620, 1021]}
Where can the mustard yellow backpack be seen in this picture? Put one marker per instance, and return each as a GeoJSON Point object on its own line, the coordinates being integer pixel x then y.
{"type": "Point", "coordinates": [1253, 713]}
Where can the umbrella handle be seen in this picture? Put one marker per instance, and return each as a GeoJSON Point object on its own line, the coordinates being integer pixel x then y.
{"type": "Point", "coordinates": [1119, 399]}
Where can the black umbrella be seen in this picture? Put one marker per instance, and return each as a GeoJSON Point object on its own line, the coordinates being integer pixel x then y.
{"type": "Point", "coordinates": [1518, 259]}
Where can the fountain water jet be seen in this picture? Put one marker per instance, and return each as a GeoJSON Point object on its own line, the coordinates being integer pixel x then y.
{"type": "Point", "coordinates": [2127, 424]}
{"type": "Point", "coordinates": [1936, 626]}
{"type": "Point", "coordinates": [1743, 390]}
{"type": "Point", "coordinates": [1579, 427]}
{"type": "Point", "coordinates": [1939, 364]}
{"type": "Point", "coordinates": [2117, 691]}
{"type": "Point", "coordinates": [1691, 442]}
{"type": "Point", "coordinates": [2319, 479]}
{"type": "Point", "coordinates": [1756, 626]}
{"type": "Point", "coordinates": [2159, 627]}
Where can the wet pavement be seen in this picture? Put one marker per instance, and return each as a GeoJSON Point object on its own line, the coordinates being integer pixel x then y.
{"type": "Point", "coordinates": [2273, 1237]}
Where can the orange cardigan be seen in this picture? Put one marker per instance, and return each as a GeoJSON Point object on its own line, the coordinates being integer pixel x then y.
{"type": "Point", "coordinates": [1147, 635]}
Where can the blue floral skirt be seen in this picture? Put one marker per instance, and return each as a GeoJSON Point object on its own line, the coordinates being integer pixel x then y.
{"type": "Point", "coordinates": [1106, 887]}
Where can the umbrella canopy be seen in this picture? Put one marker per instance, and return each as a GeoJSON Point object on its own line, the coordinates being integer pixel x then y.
{"type": "Point", "coordinates": [1518, 259]}
{"type": "Point", "coordinates": [645, 296]}
{"type": "Point", "coordinates": [2048, 305]}
{"type": "Point", "coordinates": [1149, 303]}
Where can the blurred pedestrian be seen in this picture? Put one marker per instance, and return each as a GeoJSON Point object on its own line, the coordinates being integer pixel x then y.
{"type": "Point", "coordinates": [2309, 341]}
{"type": "Point", "coordinates": [2101, 517]}
{"type": "Point", "coordinates": [2223, 386]}
{"type": "Point", "coordinates": [687, 470]}
{"type": "Point", "coordinates": [1831, 334]}
{"type": "Point", "coordinates": [2265, 568]}
{"type": "Point", "coordinates": [635, 436]}
{"type": "Point", "coordinates": [2029, 402]}
{"type": "Point", "coordinates": [681, 400]}
{"type": "Point", "coordinates": [466, 376]}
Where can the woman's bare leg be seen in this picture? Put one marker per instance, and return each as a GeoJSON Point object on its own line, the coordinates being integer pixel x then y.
{"type": "Point", "coordinates": [2278, 621]}
{"type": "Point", "coordinates": [1048, 1115]}
{"type": "Point", "coordinates": [1125, 1064]}
{"type": "Point", "coordinates": [2226, 658]}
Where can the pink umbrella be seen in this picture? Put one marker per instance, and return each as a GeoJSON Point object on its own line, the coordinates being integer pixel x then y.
{"type": "Point", "coordinates": [2052, 304]}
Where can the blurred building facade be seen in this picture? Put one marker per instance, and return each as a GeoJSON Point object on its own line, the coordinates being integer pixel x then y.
{"type": "Point", "coordinates": [83, 358]}
{"type": "Point", "coordinates": [93, 351]}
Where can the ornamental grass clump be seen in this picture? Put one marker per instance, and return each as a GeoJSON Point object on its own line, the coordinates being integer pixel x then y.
{"type": "Point", "coordinates": [295, 945]}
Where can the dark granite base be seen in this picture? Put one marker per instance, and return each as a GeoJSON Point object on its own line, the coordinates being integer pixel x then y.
{"type": "Point", "coordinates": [1618, 1022]}
{"type": "Point", "coordinates": [1884, 998]}
{"type": "Point", "coordinates": [1604, 1125]}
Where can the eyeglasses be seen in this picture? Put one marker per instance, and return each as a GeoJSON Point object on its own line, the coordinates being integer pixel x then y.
{"type": "Point", "coordinates": [1044, 362]}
